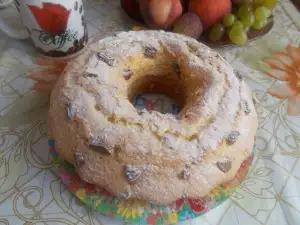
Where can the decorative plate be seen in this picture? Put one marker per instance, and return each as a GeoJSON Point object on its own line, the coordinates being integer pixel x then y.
{"type": "Point", "coordinates": [138, 211]}
{"type": "Point", "coordinates": [225, 42]}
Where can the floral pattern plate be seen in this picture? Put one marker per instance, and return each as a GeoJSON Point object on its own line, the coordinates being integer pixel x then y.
{"type": "Point", "coordinates": [142, 212]}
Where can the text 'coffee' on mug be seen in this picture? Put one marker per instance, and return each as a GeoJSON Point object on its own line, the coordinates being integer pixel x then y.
{"type": "Point", "coordinates": [56, 27]}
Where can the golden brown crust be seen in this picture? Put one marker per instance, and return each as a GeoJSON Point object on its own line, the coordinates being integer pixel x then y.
{"type": "Point", "coordinates": [148, 155]}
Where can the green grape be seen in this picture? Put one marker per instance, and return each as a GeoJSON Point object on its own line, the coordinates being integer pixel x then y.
{"type": "Point", "coordinates": [238, 24]}
{"type": "Point", "coordinates": [259, 24]}
{"type": "Point", "coordinates": [248, 19]}
{"type": "Point", "coordinates": [238, 36]}
{"type": "Point", "coordinates": [262, 13]}
{"type": "Point", "coordinates": [269, 3]}
{"type": "Point", "coordinates": [244, 9]}
{"type": "Point", "coordinates": [228, 20]}
{"type": "Point", "coordinates": [217, 32]}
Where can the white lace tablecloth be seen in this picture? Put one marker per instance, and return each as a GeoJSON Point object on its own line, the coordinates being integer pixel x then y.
{"type": "Point", "coordinates": [31, 193]}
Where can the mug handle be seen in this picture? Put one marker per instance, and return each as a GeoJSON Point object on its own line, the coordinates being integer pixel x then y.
{"type": "Point", "coordinates": [12, 32]}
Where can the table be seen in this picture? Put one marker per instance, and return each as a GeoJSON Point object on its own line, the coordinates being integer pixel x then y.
{"type": "Point", "coordinates": [31, 193]}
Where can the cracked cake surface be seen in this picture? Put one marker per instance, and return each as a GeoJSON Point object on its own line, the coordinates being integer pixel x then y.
{"type": "Point", "coordinates": [146, 154]}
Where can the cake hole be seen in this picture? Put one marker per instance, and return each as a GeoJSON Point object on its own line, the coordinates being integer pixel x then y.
{"type": "Point", "coordinates": [162, 86]}
{"type": "Point", "coordinates": [157, 93]}
{"type": "Point", "coordinates": [156, 102]}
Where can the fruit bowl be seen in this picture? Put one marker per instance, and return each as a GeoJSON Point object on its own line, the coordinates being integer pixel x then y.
{"type": "Point", "coordinates": [254, 20]}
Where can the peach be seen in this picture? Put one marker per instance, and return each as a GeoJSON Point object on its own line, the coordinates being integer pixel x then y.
{"type": "Point", "coordinates": [210, 12]}
{"type": "Point", "coordinates": [160, 14]}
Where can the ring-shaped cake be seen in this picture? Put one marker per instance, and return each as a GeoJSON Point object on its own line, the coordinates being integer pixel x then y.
{"type": "Point", "coordinates": [147, 155]}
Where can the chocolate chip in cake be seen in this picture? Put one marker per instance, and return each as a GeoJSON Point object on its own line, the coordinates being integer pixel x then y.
{"type": "Point", "coordinates": [70, 112]}
{"type": "Point", "coordinates": [246, 107]}
{"type": "Point", "coordinates": [124, 196]}
{"type": "Point", "coordinates": [79, 158]}
{"type": "Point", "coordinates": [133, 173]}
{"type": "Point", "coordinates": [118, 149]}
{"type": "Point", "coordinates": [103, 56]}
{"type": "Point", "coordinates": [185, 174]}
{"type": "Point", "coordinates": [254, 100]}
{"type": "Point", "coordinates": [91, 75]}
{"type": "Point", "coordinates": [175, 67]}
{"type": "Point", "coordinates": [100, 149]}
{"type": "Point", "coordinates": [141, 111]}
{"type": "Point", "coordinates": [238, 75]}
{"type": "Point", "coordinates": [224, 165]}
{"type": "Point", "coordinates": [96, 143]}
{"type": "Point", "coordinates": [127, 74]}
{"type": "Point", "coordinates": [232, 137]}
{"type": "Point", "coordinates": [194, 161]}
{"type": "Point", "coordinates": [150, 52]}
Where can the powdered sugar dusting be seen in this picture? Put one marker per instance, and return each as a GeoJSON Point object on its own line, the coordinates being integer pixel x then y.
{"type": "Point", "coordinates": [217, 98]}
{"type": "Point", "coordinates": [165, 143]}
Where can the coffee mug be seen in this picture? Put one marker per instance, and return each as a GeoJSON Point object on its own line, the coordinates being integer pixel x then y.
{"type": "Point", "coordinates": [56, 27]}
